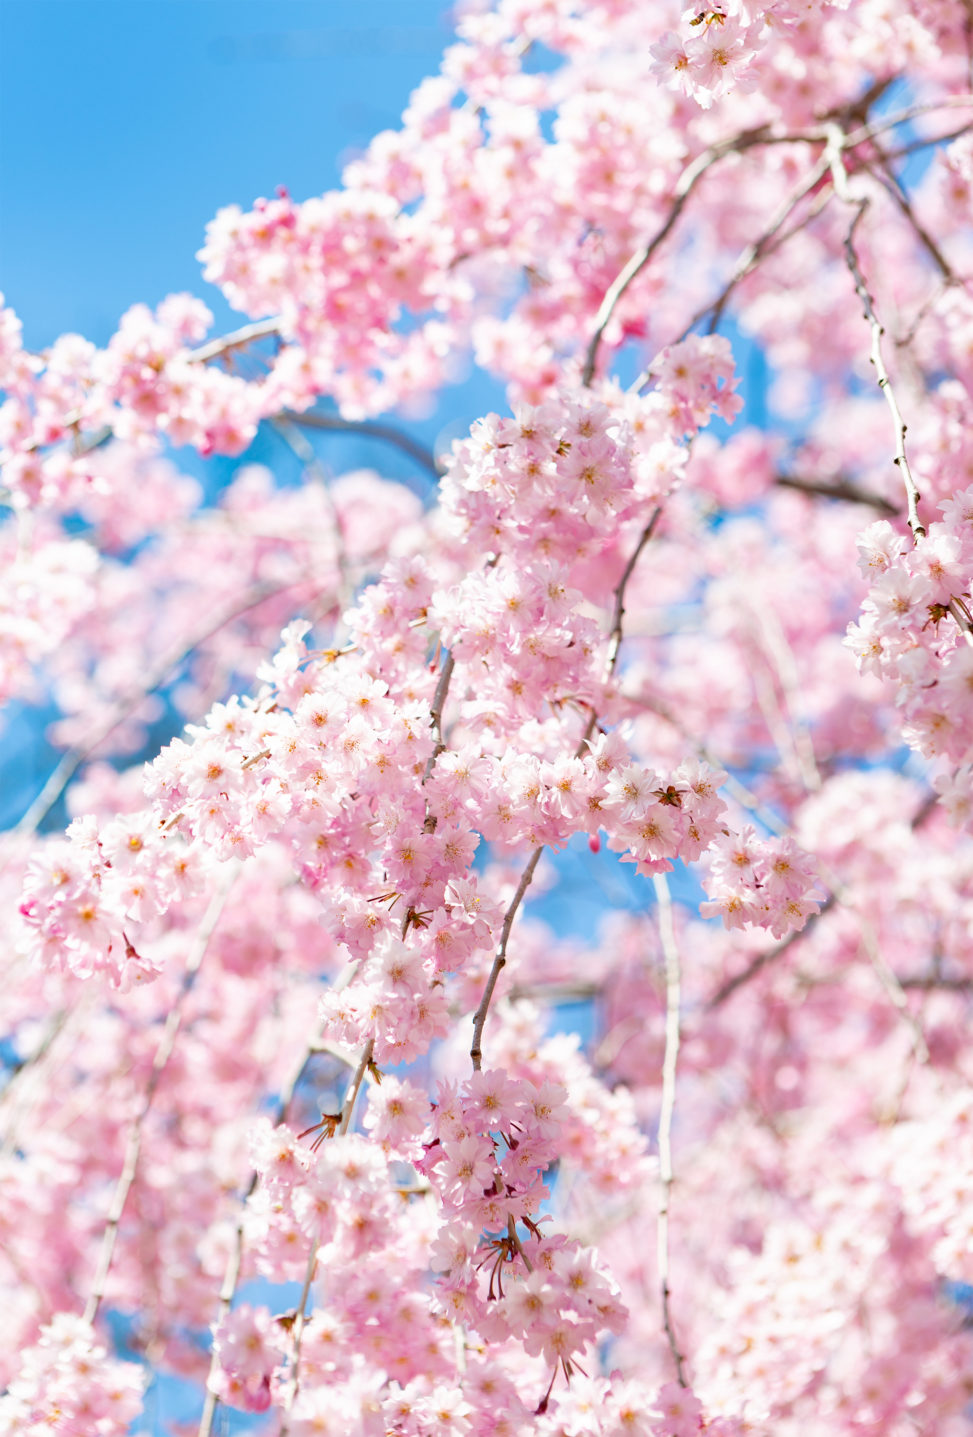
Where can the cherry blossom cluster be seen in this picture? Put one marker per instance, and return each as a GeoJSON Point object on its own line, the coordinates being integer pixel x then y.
{"type": "Point", "coordinates": [753, 880]}
{"type": "Point", "coordinates": [515, 920]}
{"type": "Point", "coordinates": [68, 1383]}
{"type": "Point", "coordinates": [916, 632]}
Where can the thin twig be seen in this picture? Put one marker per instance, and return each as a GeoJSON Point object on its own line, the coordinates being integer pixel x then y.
{"type": "Point", "coordinates": [231, 1275]}
{"type": "Point", "coordinates": [618, 615]}
{"type": "Point", "coordinates": [347, 1109]}
{"type": "Point", "coordinates": [932, 982]}
{"type": "Point", "coordinates": [14, 1092]}
{"type": "Point", "coordinates": [837, 142]}
{"type": "Point", "coordinates": [961, 614]}
{"type": "Point", "coordinates": [236, 339]}
{"type": "Point", "coordinates": [298, 444]}
{"type": "Point", "coordinates": [842, 489]}
{"type": "Point", "coordinates": [436, 714]}
{"type": "Point", "coordinates": [72, 760]}
{"type": "Point", "coordinates": [901, 117]}
{"type": "Point", "coordinates": [372, 429]}
{"type": "Point", "coordinates": [924, 142]}
{"type": "Point", "coordinates": [480, 1016]}
{"type": "Point", "coordinates": [669, 1063]}
{"type": "Point", "coordinates": [763, 960]}
{"type": "Point", "coordinates": [893, 186]}
{"type": "Point", "coordinates": [684, 187]}
{"type": "Point", "coordinates": [764, 245]}
{"type": "Point", "coordinates": [133, 1146]}
{"type": "Point", "coordinates": [614, 645]}
{"type": "Point", "coordinates": [215, 349]}
{"type": "Point", "coordinates": [737, 144]}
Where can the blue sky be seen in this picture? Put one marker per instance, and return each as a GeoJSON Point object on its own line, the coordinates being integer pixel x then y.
{"type": "Point", "coordinates": [125, 124]}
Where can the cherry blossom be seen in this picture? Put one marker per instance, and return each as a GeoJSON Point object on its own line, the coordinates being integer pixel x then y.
{"type": "Point", "coordinates": [505, 963]}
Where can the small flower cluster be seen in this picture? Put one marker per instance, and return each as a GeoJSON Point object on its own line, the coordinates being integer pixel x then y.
{"type": "Point", "coordinates": [249, 1347]}
{"type": "Point", "coordinates": [67, 1383]}
{"type": "Point", "coordinates": [83, 891]}
{"type": "Point", "coordinates": [494, 1137]}
{"type": "Point", "coordinates": [916, 631]}
{"type": "Point", "coordinates": [713, 54]}
{"type": "Point", "coordinates": [767, 882]}
{"type": "Point", "coordinates": [43, 593]}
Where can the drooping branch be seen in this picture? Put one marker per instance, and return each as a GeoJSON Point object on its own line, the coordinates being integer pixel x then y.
{"type": "Point", "coordinates": [231, 1275]}
{"type": "Point", "coordinates": [618, 614]}
{"type": "Point", "coordinates": [611, 661]}
{"type": "Point", "coordinates": [684, 187]}
{"type": "Point", "coordinates": [13, 1092]}
{"type": "Point", "coordinates": [480, 1016]}
{"type": "Point", "coordinates": [436, 714]}
{"type": "Point", "coordinates": [236, 339]}
{"type": "Point", "coordinates": [766, 244]}
{"type": "Point", "coordinates": [133, 1146]}
{"type": "Point", "coordinates": [370, 429]}
{"type": "Point", "coordinates": [669, 1067]}
{"type": "Point", "coordinates": [347, 1110]}
{"type": "Point", "coordinates": [934, 982]}
{"type": "Point", "coordinates": [890, 182]}
{"type": "Point", "coordinates": [764, 960]}
{"type": "Point", "coordinates": [843, 489]}
{"type": "Point", "coordinates": [837, 142]}
{"type": "Point", "coordinates": [314, 469]}
{"type": "Point", "coordinates": [738, 144]}
{"type": "Point", "coordinates": [72, 760]}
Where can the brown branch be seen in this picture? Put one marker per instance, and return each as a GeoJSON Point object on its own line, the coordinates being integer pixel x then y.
{"type": "Point", "coordinates": [892, 185]}
{"type": "Point", "coordinates": [763, 246]}
{"type": "Point", "coordinates": [901, 117]}
{"type": "Point", "coordinates": [932, 982]}
{"type": "Point", "coordinates": [684, 187]}
{"type": "Point", "coordinates": [842, 489]}
{"type": "Point", "coordinates": [480, 1016]}
{"type": "Point", "coordinates": [763, 960]}
{"type": "Point", "coordinates": [927, 141]}
{"type": "Point", "coordinates": [13, 1090]}
{"type": "Point", "coordinates": [436, 714]}
{"type": "Point", "coordinates": [694, 172]}
{"type": "Point", "coordinates": [372, 429]}
{"type": "Point", "coordinates": [618, 614]}
{"type": "Point", "coordinates": [313, 467]}
{"type": "Point", "coordinates": [231, 1275]}
{"type": "Point", "coordinates": [614, 645]}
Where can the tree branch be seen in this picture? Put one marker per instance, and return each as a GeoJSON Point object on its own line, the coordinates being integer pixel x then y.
{"type": "Point", "coordinates": [761, 247]}
{"type": "Point", "coordinates": [372, 429]}
{"type": "Point", "coordinates": [762, 960]}
{"type": "Point", "coordinates": [347, 1109]}
{"type": "Point", "coordinates": [436, 714]}
{"type": "Point", "coordinates": [837, 142]}
{"type": "Point", "coordinates": [133, 1145]}
{"type": "Point", "coordinates": [843, 489]}
{"type": "Point", "coordinates": [480, 1016]}
{"type": "Point", "coordinates": [231, 1275]}
{"type": "Point", "coordinates": [72, 760]}
{"type": "Point", "coordinates": [236, 339]}
{"type": "Point", "coordinates": [669, 1065]}
{"type": "Point", "coordinates": [685, 185]}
